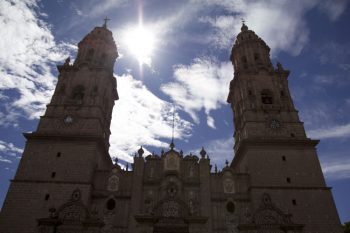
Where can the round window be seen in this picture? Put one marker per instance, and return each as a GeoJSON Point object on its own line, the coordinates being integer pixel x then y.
{"type": "Point", "coordinates": [110, 204]}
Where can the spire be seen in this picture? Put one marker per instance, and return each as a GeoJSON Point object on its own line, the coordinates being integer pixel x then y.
{"type": "Point", "coordinates": [172, 145]}
{"type": "Point", "coordinates": [105, 23]}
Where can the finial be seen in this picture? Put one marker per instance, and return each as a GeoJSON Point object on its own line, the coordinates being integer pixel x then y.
{"type": "Point", "coordinates": [216, 169]}
{"type": "Point", "coordinates": [105, 23]}
{"type": "Point", "coordinates": [181, 153]}
{"type": "Point", "coordinates": [244, 27]}
{"type": "Point", "coordinates": [203, 152]}
{"type": "Point", "coordinates": [140, 151]}
{"type": "Point", "coordinates": [279, 66]}
{"type": "Point", "coordinates": [66, 62]}
{"type": "Point", "coordinates": [172, 145]}
{"type": "Point", "coordinates": [226, 162]}
{"type": "Point", "coordinates": [127, 166]}
{"type": "Point", "coordinates": [116, 160]}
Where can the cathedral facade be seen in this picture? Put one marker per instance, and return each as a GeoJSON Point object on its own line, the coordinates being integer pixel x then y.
{"type": "Point", "coordinates": [66, 181]}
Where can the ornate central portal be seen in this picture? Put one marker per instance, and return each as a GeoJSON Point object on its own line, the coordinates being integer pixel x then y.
{"type": "Point", "coordinates": [171, 226]}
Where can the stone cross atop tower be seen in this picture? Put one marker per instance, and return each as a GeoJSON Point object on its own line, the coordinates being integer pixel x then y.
{"type": "Point", "coordinates": [84, 97]}
{"type": "Point", "coordinates": [250, 52]}
{"type": "Point", "coordinates": [259, 93]}
{"type": "Point", "coordinates": [97, 49]}
{"type": "Point", "coordinates": [270, 140]}
{"type": "Point", "coordinates": [72, 139]}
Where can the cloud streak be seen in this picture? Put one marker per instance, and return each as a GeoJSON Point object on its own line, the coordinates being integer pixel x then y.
{"type": "Point", "coordinates": [9, 152]}
{"type": "Point", "coordinates": [337, 131]}
{"type": "Point", "coordinates": [28, 50]}
{"type": "Point", "coordinates": [201, 85]}
{"type": "Point", "coordinates": [142, 119]}
{"type": "Point", "coordinates": [336, 168]}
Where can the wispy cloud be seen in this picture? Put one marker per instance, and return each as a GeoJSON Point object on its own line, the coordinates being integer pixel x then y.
{"type": "Point", "coordinates": [201, 85]}
{"type": "Point", "coordinates": [336, 169]}
{"type": "Point", "coordinates": [140, 118]}
{"type": "Point", "coordinates": [337, 131]}
{"type": "Point", "coordinates": [333, 52]}
{"type": "Point", "coordinates": [28, 50]}
{"type": "Point", "coordinates": [264, 17]}
{"type": "Point", "coordinates": [96, 8]}
{"type": "Point", "coordinates": [333, 8]}
{"type": "Point", "coordinates": [218, 151]}
{"type": "Point", "coordinates": [8, 152]}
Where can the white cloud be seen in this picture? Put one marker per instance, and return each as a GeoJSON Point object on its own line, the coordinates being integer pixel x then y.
{"type": "Point", "coordinates": [336, 169]}
{"type": "Point", "coordinates": [27, 51]}
{"type": "Point", "coordinates": [280, 23]}
{"type": "Point", "coordinates": [142, 119]}
{"type": "Point", "coordinates": [333, 8]}
{"type": "Point", "coordinates": [338, 131]}
{"type": "Point", "coordinates": [97, 8]}
{"type": "Point", "coordinates": [4, 160]}
{"type": "Point", "coordinates": [218, 150]}
{"type": "Point", "coordinates": [139, 118]}
{"type": "Point", "coordinates": [224, 29]}
{"type": "Point", "coordinates": [202, 85]}
{"type": "Point", "coordinates": [9, 151]}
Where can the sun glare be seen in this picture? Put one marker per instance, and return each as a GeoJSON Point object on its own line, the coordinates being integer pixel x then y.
{"type": "Point", "coordinates": [140, 42]}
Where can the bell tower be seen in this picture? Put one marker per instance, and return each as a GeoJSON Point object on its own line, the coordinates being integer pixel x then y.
{"type": "Point", "coordinates": [259, 94]}
{"type": "Point", "coordinates": [84, 97]}
{"type": "Point", "coordinates": [270, 140]}
{"type": "Point", "coordinates": [72, 138]}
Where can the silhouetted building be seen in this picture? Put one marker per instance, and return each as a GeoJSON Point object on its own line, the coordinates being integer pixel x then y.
{"type": "Point", "coordinates": [66, 181]}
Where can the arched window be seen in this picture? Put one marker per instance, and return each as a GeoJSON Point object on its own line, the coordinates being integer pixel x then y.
{"type": "Point", "coordinates": [266, 97]}
{"type": "Point", "coordinates": [230, 207]}
{"type": "Point", "coordinates": [103, 59]}
{"type": "Point", "coordinates": [244, 60]}
{"type": "Point", "coordinates": [256, 57]}
{"type": "Point", "coordinates": [78, 92]}
{"type": "Point", "coordinates": [90, 54]}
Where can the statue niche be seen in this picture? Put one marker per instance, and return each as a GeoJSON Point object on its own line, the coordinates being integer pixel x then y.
{"type": "Point", "coordinates": [172, 162]}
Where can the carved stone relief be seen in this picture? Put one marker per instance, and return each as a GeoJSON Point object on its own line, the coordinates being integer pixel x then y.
{"type": "Point", "coordinates": [172, 162]}
{"type": "Point", "coordinates": [113, 183]}
{"type": "Point", "coordinates": [228, 182]}
{"type": "Point", "coordinates": [170, 208]}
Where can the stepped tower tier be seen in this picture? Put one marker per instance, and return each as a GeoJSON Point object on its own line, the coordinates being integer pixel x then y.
{"type": "Point", "coordinates": [84, 97]}
{"type": "Point", "coordinates": [270, 140]}
{"type": "Point", "coordinates": [259, 93]}
{"type": "Point", "coordinates": [71, 141]}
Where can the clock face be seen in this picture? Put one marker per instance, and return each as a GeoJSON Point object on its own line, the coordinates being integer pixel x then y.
{"type": "Point", "coordinates": [68, 120]}
{"type": "Point", "coordinates": [275, 124]}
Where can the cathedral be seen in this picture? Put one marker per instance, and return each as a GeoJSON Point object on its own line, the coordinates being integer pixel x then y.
{"type": "Point", "coordinates": [66, 181]}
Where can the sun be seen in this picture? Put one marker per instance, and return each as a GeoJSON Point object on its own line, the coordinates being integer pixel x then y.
{"type": "Point", "coordinates": [140, 42]}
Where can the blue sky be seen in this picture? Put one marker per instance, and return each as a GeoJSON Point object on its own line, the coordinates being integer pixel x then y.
{"type": "Point", "coordinates": [188, 65]}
